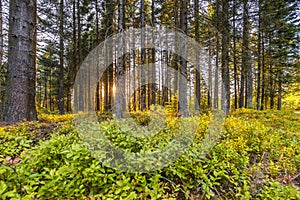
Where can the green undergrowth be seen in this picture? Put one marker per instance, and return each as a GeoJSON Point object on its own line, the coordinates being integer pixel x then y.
{"type": "Point", "coordinates": [256, 157]}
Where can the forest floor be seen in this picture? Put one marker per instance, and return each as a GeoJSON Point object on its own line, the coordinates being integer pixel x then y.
{"type": "Point", "coordinates": [257, 157]}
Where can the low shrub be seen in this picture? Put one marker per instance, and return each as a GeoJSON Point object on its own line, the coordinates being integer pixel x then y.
{"type": "Point", "coordinates": [256, 157]}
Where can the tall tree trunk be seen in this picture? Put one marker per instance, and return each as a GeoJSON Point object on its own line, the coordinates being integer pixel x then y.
{"type": "Point", "coordinates": [120, 62]}
{"type": "Point", "coordinates": [176, 57]}
{"type": "Point", "coordinates": [258, 105]}
{"type": "Point", "coordinates": [21, 71]}
{"type": "Point", "coordinates": [135, 97]}
{"type": "Point", "coordinates": [216, 85]}
{"type": "Point", "coordinates": [73, 67]}
{"type": "Point", "coordinates": [61, 58]}
{"type": "Point", "coordinates": [248, 63]}
{"type": "Point", "coordinates": [2, 71]}
{"type": "Point", "coordinates": [225, 57]}
{"type": "Point", "coordinates": [197, 67]}
{"type": "Point", "coordinates": [209, 79]}
{"type": "Point", "coordinates": [79, 58]}
{"type": "Point", "coordinates": [271, 80]}
{"type": "Point", "coordinates": [1, 36]}
{"type": "Point", "coordinates": [97, 95]}
{"type": "Point", "coordinates": [153, 61]}
{"type": "Point", "coordinates": [235, 57]}
{"type": "Point", "coordinates": [183, 106]}
{"type": "Point", "coordinates": [110, 71]}
{"type": "Point", "coordinates": [245, 55]}
{"type": "Point", "coordinates": [81, 78]}
{"type": "Point", "coordinates": [143, 57]}
{"type": "Point", "coordinates": [262, 102]}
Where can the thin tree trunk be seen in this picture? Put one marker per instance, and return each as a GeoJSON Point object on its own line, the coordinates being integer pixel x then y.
{"type": "Point", "coordinates": [245, 56]}
{"type": "Point", "coordinates": [235, 57]}
{"type": "Point", "coordinates": [135, 97]}
{"type": "Point", "coordinates": [2, 69]}
{"type": "Point", "coordinates": [120, 62]}
{"type": "Point", "coordinates": [106, 88]}
{"type": "Point", "coordinates": [271, 88]}
{"type": "Point", "coordinates": [216, 88]}
{"type": "Point", "coordinates": [61, 58]}
{"type": "Point", "coordinates": [262, 104]}
{"type": "Point", "coordinates": [81, 78]}
{"type": "Point", "coordinates": [45, 104]}
{"type": "Point", "coordinates": [50, 93]}
{"type": "Point", "coordinates": [108, 74]}
{"type": "Point", "coordinates": [209, 79]}
{"type": "Point", "coordinates": [143, 58]}
{"type": "Point", "coordinates": [153, 90]}
{"type": "Point", "coordinates": [258, 105]}
{"type": "Point", "coordinates": [97, 95]}
{"type": "Point", "coordinates": [1, 36]}
{"type": "Point", "coordinates": [183, 63]}
{"type": "Point", "coordinates": [176, 57]}
{"type": "Point", "coordinates": [250, 87]}
{"type": "Point", "coordinates": [279, 100]}
{"type": "Point", "coordinates": [197, 67]}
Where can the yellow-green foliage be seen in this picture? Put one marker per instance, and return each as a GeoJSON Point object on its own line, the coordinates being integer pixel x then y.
{"type": "Point", "coordinates": [55, 117]}
{"type": "Point", "coordinates": [257, 157]}
{"type": "Point", "coordinates": [292, 99]}
{"type": "Point", "coordinates": [172, 106]}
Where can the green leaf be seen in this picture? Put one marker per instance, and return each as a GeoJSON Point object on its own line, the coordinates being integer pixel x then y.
{"type": "Point", "coordinates": [3, 187]}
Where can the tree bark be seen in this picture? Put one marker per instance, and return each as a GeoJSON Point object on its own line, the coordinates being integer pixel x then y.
{"type": "Point", "coordinates": [79, 49]}
{"type": "Point", "coordinates": [97, 95]}
{"type": "Point", "coordinates": [2, 69]}
{"type": "Point", "coordinates": [209, 101]}
{"type": "Point", "coordinates": [245, 56]}
{"type": "Point", "coordinates": [183, 63]}
{"type": "Point", "coordinates": [153, 89]}
{"type": "Point", "coordinates": [21, 72]}
{"type": "Point", "coordinates": [73, 67]}
{"type": "Point", "coordinates": [235, 57]}
{"type": "Point", "coordinates": [197, 69]}
{"type": "Point", "coordinates": [61, 58]}
{"type": "Point", "coordinates": [225, 58]}
{"type": "Point", "coordinates": [120, 62]}
{"type": "Point", "coordinates": [279, 100]}
{"type": "Point", "coordinates": [262, 102]}
{"type": "Point", "coordinates": [176, 57]}
{"type": "Point", "coordinates": [143, 57]}
{"type": "Point", "coordinates": [258, 105]}
{"type": "Point", "coordinates": [216, 85]}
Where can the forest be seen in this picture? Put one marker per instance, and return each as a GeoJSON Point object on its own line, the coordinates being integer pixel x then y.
{"type": "Point", "coordinates": [149, 99]}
